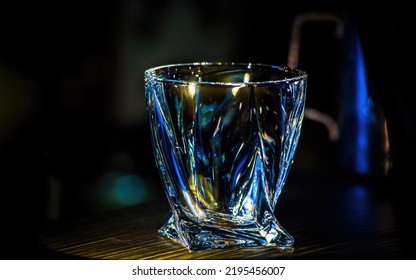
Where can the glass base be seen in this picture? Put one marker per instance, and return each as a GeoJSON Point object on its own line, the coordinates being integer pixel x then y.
{"type": "Point", "coordinates": [197, 237]}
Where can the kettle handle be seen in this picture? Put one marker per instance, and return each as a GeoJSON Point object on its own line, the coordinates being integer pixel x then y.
{"type": "Point", "coordinates": [296, 33]}
{"type": "Point", "coordinates": [293, 60]}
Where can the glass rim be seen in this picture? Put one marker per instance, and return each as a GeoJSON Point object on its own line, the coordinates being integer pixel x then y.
{"type": "Point", "coordinates": [299, 74]}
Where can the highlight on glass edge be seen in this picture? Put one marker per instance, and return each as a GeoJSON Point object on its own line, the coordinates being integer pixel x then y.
{"type": "Point", "coordinates": [224, 136]}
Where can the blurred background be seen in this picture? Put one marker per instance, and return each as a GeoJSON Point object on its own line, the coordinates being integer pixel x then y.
{"type": "Point", "coordinates": [74, 135]}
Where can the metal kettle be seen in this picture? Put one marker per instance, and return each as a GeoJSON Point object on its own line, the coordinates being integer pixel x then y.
{"type": "Point", "coordinates": [359, 130]}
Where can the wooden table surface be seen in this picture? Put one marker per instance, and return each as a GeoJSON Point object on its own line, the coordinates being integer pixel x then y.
{"type": "Point", "coordinates": [329, 219]}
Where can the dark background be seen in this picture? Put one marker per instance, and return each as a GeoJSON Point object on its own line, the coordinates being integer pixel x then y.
{"type": "Point", "coordinates": [74, 138]}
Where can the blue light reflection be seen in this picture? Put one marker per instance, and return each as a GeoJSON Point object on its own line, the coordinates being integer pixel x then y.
{"type": "Point", "coordinates": [361, 111]}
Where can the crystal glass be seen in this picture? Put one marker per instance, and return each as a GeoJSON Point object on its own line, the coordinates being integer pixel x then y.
{"type": "Point", "coordinates": [224, 136]}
